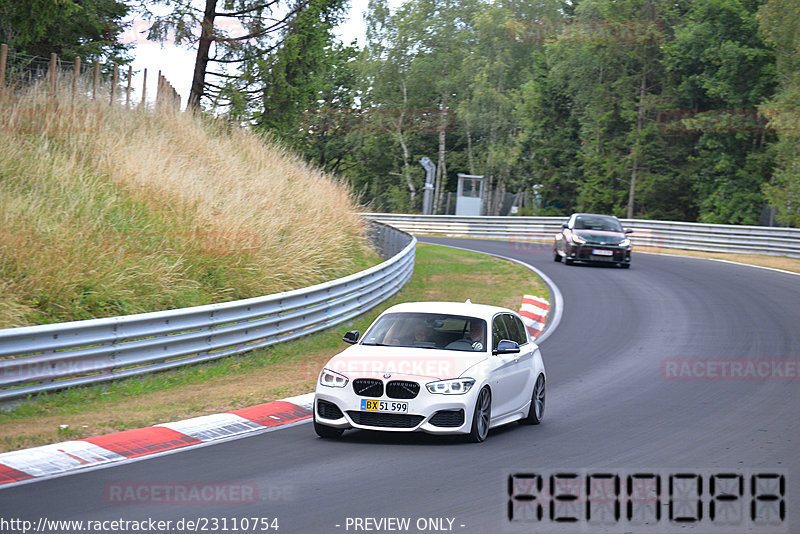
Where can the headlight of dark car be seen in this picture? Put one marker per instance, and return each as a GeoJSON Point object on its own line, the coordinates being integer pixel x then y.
{"type": "Point", "coordinates": [578, 240]}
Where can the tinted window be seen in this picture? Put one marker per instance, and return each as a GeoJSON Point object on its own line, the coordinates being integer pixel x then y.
{"type": "Point", "coordinates": [516, 330]}
{"type": "Point", "coordinates": [498, 331]}
{"type": "Point", "coordinates": [597, 222]}
{"type": "Point", "coordinates": [427, 330]}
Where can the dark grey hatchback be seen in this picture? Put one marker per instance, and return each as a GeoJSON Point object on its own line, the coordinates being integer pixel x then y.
{"type": "Point", "coordinates": [589, 237]}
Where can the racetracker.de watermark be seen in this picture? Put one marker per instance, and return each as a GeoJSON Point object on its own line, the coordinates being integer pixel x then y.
{"type": "Point", "coordinates": [54, 120]}
{"type": "Point", "coordinates": [586, 31]}
{"type": "Point", "coordinates": [181, 493]}
{"type": "Point", "coordinates": [730, 369]}
{"type": "Point", "coordinates": [407, 365]}
{"type": "Point", "coordinates": [392, 120]}
{"type": "Point", "coordinates": [713, 121]}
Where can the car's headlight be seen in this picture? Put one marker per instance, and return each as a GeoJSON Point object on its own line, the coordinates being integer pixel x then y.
{"type": "Point", "coordinates": [332, 379]}
{"type": "Point", "coordinates": [454, 386]}
{"type": "Point", "coordinates": [625, 242]}
{"type": "Point", "coordinates": [578, 239]}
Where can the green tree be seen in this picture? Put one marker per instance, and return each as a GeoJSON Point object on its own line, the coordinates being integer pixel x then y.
{"type": "Point", "coordinates": [721, 64]}
{"type": "Point", "coordinates": [70, 28]}
{"type": "Point", "coordinates": [779, 22]}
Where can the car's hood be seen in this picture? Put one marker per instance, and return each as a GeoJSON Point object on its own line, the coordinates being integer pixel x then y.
{"type": "Point", "coordinates": [403, 362]}
{"type": "Point", "coordinates": [598, 236]}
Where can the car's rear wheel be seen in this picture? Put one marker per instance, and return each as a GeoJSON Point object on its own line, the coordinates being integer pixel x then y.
{"type": "Point", "coordinates": [327, 432]}
{"type": "Point", "coordinates": [536, 410]}
{"type": "Point", "coordinates": [481, 417]}
{"type": "Point", "coordinates": [625, 265]}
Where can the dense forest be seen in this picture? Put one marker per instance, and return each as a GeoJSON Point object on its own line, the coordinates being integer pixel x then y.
{"type": "Point", "coordinates": [640, 108]}
{"type": "Point", "coordinates": [679, 110]}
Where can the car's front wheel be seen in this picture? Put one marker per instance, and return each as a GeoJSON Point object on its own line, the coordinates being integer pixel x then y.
{"type": "Point", "coordinates": [327, 432]}
{"type": "Point", "coordinates": [625, 265]}
{"type": "Point", "coordinates": [536, 410]}
{"type": "Point", "coordinates": [556, 256]}
{"type": "Point", "coordinates": [481, 417]}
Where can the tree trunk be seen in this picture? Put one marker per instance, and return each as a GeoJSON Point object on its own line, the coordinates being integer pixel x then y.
{"type": "Point", "coordinates": [441, 168]}
{"type": "Point", "coordinates": [206, 38]}
{"type": "Point", "coordinates": [635, 149]}
{"type": "Point", "coordinates": [402, 140]}
{"type": "Point", "coordinates": [469, 152]}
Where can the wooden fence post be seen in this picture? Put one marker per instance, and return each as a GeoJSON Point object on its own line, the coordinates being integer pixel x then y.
{"type": "Point", "coordinates": [95, 79]}
{"type": "Point", "coordinates": [128, 90]}
{"type": "Point", "coordinates": [75, 76]}
{"type": "Point", "coordinates": [3, 58]}
{"type": "Point", "coordinates": [53, 65]}
{"type": "Point", "coordinates": [158, 89]}
{"type": "Point", "coordinates": [114, 81]}
{"type": "Point", "coordinates": [144, 87]}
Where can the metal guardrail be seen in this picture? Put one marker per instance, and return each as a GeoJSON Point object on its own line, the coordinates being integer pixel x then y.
{"type": "Point", "coordinates": [663, 234]}
{"type": "Point", "coordinates": [57, 356]}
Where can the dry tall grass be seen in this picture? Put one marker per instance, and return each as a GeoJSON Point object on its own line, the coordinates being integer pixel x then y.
{"type": "Point", "coordinates": [107, 211]}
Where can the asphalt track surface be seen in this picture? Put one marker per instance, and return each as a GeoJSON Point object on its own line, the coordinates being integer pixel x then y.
{"type": "Point", "coordinates": [611, 406]}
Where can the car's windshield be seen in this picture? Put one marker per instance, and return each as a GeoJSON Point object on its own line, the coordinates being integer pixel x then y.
{"type": "Point", "coordinates": [428, 330]}
{"type": "Point", "coordinates": [605, 224]}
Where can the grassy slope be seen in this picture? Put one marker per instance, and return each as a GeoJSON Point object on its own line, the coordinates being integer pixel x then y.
{"type": "Point", "coordinates": [279, 371]}
{"type": "Point", "coordinates": [108, 211]}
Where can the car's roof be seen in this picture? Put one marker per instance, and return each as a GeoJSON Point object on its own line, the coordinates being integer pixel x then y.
{"type": "Point", "coordinates": [468, 309]}
{"type": "Point", "coordinates": [593, 215]}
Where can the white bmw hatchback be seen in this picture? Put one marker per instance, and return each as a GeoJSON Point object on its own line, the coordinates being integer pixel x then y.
{"type": "Point", "coordinates": [436, 367]}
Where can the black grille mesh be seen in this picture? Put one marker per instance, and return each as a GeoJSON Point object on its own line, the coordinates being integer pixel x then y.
{"type": "Point", "coordinates": [390, 420]}
{"type": "Point", "coordinates": [328, 410]}
{"type": "Point", "coordinates": [402, 389]}
{"type": "Point", "coordinates": [368, 387]}
{"type": "Point", "coordinates": [448, 418]}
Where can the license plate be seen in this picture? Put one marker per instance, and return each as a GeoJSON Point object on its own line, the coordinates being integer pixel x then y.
{"type": "Point", "coordinates": [601, 252]}
{"type": "Point", "coordinates": [383, 406]}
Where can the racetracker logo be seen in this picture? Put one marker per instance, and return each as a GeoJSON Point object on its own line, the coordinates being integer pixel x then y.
{"type": "Point", "coordinates": [713, 121]}
{"type": "Point", "coordinates": [391, 120]}
{"type": "Point", "coordinates": [49, 120]}
{"type": "Point", "coordinates": [586, 31]}
{"type": "Point", "coordinates": [422, 366]}
{"type": "Point", "coordinates": [180, 493]}
{"type": "Point", "coordinates": [730, 369]}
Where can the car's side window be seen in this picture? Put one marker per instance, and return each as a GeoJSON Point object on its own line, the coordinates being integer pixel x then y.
{"type": "Point", "coordinates": [498, 330]}
{"type": "Point", "coordinates": [515, 329]}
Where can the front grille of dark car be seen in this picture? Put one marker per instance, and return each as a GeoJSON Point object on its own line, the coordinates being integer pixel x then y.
{"type": "Point", "coordinates": [448, 418]}
{"type": "Point", "coordinates": [586, 254]}
{"type": "Point", "coordinates": [402, 389]}
{"type": "Point", "coordinates": [328, 410]}
{"type": "Point", "coordinates": [386, 420]}
{"type": "Point", "coordinates": [368, 387]}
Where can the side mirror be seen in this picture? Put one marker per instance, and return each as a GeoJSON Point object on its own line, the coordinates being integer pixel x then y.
{"type": "Point", "coordinates": [628, 230]}
{"type": "Point", "coordinates": [565, 225]}
{"type": "Point", "coordinates": [504, 346]}
{"type": "Point", "coordinates": [351, 337]}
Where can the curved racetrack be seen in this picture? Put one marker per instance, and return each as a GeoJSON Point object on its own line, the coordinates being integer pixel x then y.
{"type": "Point", "coordinates": [609, 405]}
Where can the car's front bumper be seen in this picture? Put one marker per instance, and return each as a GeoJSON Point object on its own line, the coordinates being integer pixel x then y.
{"type": "Point", "coordinates": [427, 412]}
{"type": "Point", "coordinates": [589, 252]}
